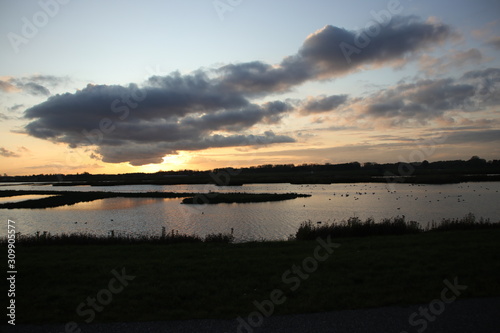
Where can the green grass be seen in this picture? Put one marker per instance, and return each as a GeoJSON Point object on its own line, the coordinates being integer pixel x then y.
{"type": "Point", "coordinates": [214, 280]}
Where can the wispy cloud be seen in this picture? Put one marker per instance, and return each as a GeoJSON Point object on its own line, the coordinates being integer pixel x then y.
{"type": "Point", "coordinates": [35, 85]}
{"type": "Point", "coordinates": [457, 59]}
{"type": "Point", "coordinates": [7, 153]}
{"type": "Point", "coordinates": [56, 167]}
{"type": "Point", "coordinates": [23, 149]}
{"type": "Point", "coordinates": [387, 148]}
{"type": "Point", "coordinates": [322, 104]}
{"type": "Point", "coordinates": [494, 42]}
{"type": "Point", "coordinates": [474, 136]}
{"type": "Point", "coordinates": [6, 86]}
{"type": "Point", "coordinates": [15, 107]}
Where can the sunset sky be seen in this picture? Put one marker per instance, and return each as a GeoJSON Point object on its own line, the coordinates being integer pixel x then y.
{"type": "Point", "coordinates": [140, 86]}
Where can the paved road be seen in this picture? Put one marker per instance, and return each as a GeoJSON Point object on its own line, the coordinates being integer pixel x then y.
{"type": "Point", "coordinates": [462, 316]}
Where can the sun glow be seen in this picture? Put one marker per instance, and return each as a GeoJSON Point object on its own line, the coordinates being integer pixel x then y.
{"type": "Point", "coordinates": [170, 162]}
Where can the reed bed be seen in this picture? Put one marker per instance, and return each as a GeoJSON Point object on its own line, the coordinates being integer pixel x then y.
{"type": "Point", "coordinates": [355, 227]}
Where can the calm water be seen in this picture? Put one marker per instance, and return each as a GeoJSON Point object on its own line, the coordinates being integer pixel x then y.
{"type": "Point", "coordinates": [19, 198]}
{"type": "Point", "coordinates": [253, 221]}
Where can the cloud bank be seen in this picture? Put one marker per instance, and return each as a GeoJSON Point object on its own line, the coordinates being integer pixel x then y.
{"type": "Point", "coordinates": [420, 101]}
{"type": "Point", "coordinates": [214, 108]}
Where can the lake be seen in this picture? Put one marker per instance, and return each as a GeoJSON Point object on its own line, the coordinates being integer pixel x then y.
{"type": "Point", "coordinates": [254, 221]}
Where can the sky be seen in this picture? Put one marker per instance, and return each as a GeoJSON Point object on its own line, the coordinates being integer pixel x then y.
{"type": "Point", "coordinates": [146, 86]}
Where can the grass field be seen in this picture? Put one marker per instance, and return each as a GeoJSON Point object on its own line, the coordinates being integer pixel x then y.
{"type": "Point", "coordinates": [215, 280]}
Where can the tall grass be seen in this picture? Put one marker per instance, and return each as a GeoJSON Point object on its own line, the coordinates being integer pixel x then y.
{"type": "Point", "coordinates": [81, 238]}
{"type": "Point", "coordinates": [219, 238]}
{"type": "Point", "coordinates": [355, 227]}
{"type": "Point", "coordinates": [468, 222]}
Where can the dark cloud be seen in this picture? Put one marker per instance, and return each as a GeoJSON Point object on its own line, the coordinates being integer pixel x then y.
{"type": "Point", "coordinates": [322, 104]}
{"type": "Point", "coordinates": [490, 74]}
{"type": "Point", "coordinates": [211, 108]}
{"type": "Point", "coordinates": [141, 154]}
{"type": "Point", "coordinates": [237, 120]}
{"type": "Point", "coordinates": [427, 99]}
{"type": "Point", "coordinates": [141, 125]}
{"type": "Point", "coordinates": [35, 89]}
{"type": "Point", "coordinates": [487, 82]}
{"type": "Point", "coordinates": [7, 153]}
{"type": "Point", "coordinates": [169, 111]}
{"type": "Point", "coordinates": [182, 94]}
{"type": "Point", "coordinates": [495, 42]}
{"type": "Point", "coordinates": [484, 136]}
{"type": "Point", "coordinates": [421, 100]}
{"type": "Point", "coordinates": [332, 52]}
{"type": "Point", "coordinates": [257, 78]}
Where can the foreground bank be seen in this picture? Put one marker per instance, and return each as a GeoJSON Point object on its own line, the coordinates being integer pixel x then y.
{"type": "Point", "coordinates": [79, 283]}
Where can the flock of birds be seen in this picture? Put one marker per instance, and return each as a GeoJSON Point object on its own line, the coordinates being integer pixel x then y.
{"type": "Point", "coordinates": [375, 190]}
{"type": "Point", "coordinates": [402, 194]}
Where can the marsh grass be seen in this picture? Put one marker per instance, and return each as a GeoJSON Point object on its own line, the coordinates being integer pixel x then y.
{"type": "Point", "coordinates": [468, 222]}
{"type": "Point", "coordinates": [355, 227]}
{"type": "Point", "coordinates": [219, 238]}
{"type": "Point", "coordinates": [82, 238]}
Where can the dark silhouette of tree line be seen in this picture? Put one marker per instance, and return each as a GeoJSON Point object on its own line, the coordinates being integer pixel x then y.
{"type": "Point", "coordinates": [352, 171]}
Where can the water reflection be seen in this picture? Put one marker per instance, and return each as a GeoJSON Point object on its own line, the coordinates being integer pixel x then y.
{"type": "Point", "coordinates": [19, 198]}
{"type": "Point", "coordinates": [113, 204]}
{"type": "Point", "coordinates": [266, 220]}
